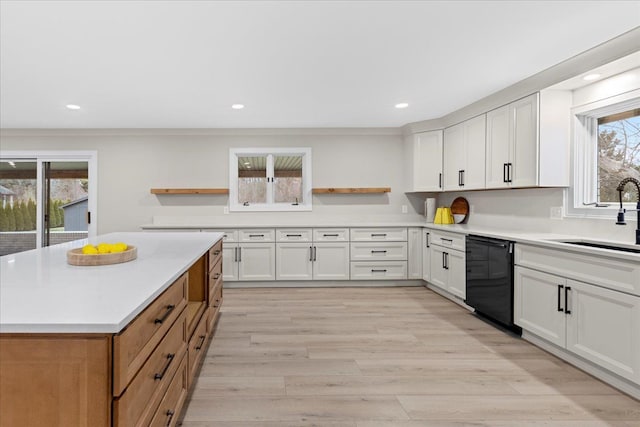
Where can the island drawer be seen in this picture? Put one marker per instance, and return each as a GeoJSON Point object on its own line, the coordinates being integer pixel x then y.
{"type": "Point", "coordinates": [197, 346]}
{"type": "Point", "coordinates": [215, 279]}
{"type": "Point", "coordinates": [394, 234]}
{"type": "Point", "coordinates": [215, 254]}
{"type": "Point", "coordinates": [379, 270]}
{"type": "Point", "coordinates": [448, 240]}
{"type": "Point", "coordinates": [137, 341]}
{"type": "Point", "coordinates": [214, 310]}
{"type": "Point", "coordinates": [374, 251]}
{"type": "Point", "coordinates": [137, 404]}
{"type": "Point", "coordinates": [169, 409]}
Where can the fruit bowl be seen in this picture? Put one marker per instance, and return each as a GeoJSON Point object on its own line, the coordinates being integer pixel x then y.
{"type": "Point", "coordinates": [76, 257]}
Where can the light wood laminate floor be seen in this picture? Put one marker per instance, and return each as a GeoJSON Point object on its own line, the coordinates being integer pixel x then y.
{"type": "Point", "coordinates": [384, 357]}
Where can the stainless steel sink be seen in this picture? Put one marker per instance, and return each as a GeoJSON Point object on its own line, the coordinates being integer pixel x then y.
{"type": "Point", "coordinates": [610, 246]}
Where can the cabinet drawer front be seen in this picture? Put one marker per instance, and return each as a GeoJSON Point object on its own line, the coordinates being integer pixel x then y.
{"type": "Point", "coordinates": [136, 405]}
{"type": "Point", "coordinates": [387, 270]}
{"type": "Point", "coordinates": [215, 279]}
{"type": "Point", "coordinates": [330, 234]}
{"type": "Point", "coordinates": [215, 290]}
{"type": "Point", "coordinates": [214, 311]}
{"type": "Point", "coordinates": [378, 251]}
{"type": "Point", "coordinates": [197, 346]}
{"type": "Point", "coordinates": [257, 235]}
{"type": "Point", "coordinates": [378, 234]}
{"type": "Point", "coordinates": [134, 345]}
{"type": "Point", "coordinates": [215, 254]}
{"type": "Point", "coordinates": [169, 409]}
{"type": "Point", "coordinates": [448, 240]}
{"type": "Point", "coordinates": [611, 273]}
{"type": "Point", "coordinates": [293, 235]}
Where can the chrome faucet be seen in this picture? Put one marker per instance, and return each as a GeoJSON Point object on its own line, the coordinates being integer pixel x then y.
{"type": "Point", "coordinates": [621, 211]}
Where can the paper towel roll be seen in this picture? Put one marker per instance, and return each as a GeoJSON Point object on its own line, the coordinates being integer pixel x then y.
{"type": "Point", "coordinates": [430, 209]}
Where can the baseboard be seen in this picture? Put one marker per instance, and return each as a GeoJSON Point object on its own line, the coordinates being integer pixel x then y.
{"type": "Point", "coordinates": [324, 284]}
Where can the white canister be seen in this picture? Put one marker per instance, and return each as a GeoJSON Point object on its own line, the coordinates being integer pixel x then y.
{"type": "Point", "coordinates": [430, 209]}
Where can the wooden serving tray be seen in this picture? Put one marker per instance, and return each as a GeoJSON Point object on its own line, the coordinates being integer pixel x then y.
{"type": "Point", "coordinates": [76, 257]}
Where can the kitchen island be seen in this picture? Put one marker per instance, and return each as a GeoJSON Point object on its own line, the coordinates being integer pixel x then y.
{"type": "Point", "coordinates": [106, 345]}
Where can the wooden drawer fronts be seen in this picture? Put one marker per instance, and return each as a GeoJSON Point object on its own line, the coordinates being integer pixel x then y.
{"type": "Point", "coordinates": [132, 347]}
{"type": "Point", "coordinates": [169, 409]}
{"type": "Point", "coordinates": [197, 347]}
{"type": "Point", "coordinates": [137, 404]}
{"type": "Point", "coordinates": [215, 254]}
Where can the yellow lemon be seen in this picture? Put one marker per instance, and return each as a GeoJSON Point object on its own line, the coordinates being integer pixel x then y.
{"type": "Point", "coordinates": [118, 247]}
{"type": "Point", "coordinates": [104, 248]}
{"type": "Point", "coordinates": [89, 250]}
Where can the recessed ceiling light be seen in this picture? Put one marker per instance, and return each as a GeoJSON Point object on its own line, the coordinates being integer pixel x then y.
{"type": "Point", "coordinates": [402, 105]}
{"type": "Point", "coordinates": [237, 106]}
{"type": "Point", "coordinates": [72, 106]}
{"type": "Point", "coordinates": [591, 77]}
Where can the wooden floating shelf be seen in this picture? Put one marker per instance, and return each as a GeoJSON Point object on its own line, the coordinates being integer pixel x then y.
{"type": "Point", "coordinates": [189, 191]}
{"type": "Point", "coordinates": [362, 190]}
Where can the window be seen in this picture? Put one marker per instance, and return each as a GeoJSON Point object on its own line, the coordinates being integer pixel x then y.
{"type": "Point", "coordinates": [606, 149]}
{"type": "Point", "coordinates": [270, 179]}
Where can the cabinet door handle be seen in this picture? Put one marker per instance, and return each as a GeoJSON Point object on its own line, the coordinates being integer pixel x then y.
{"type": "Point", "coordinates": [560, 288]}
{"type": "Point", "coordinates": [566, 299]}
{"type": "Point", "coordinates": [170, 415]}
{"type": "Point", "coordinates": [215, 276]}
{"type": "Point", "coordinates": [427, 239]}
{"type": "Point", "coordinates": [440, 180]}
{"type": "Point", "coordinates": [378, 271]}
{"type": "Point", "coordinates": [160, 320]}
{"type": "Point", "coordinates": [161, 374]}
{"type": "Point", "coordinates": [378, 234]}
{"type": "Point", "coordinates": [378, 251]}
{"type": "Point", "coordinates": [235, 254]}
{"type": "Point", "coordinates": [330, 235]}
{"type": "Point", "coordinates": [509, 172]}
{"type": "Point", "coordinates": [239, 254]}
{"type": "Point", "coordinates": [201, 343]}
{"type": "Point", "coordinates": [216, 252]}
{"type": "Point", "coordinates": [444, 265]}
{"type": "Point", "coordinates": [294, 235]}
{"type": "Point", "coordinates": [315, 253]}
{"type": "Point", "coordinates": [505, 166]}
{"type": "Point", "coordinates": [310, 253]}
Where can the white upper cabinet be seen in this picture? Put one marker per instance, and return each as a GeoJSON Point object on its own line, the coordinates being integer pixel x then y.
{"type": "Point", "coordinates": [423, 161]}
{"type": "Point", "coordinates": [464, 155]}
{"type": "Point", "coordinates": [528, 142]}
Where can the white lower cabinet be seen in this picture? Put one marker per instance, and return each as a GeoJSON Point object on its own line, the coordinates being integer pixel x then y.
{"type": "Point", "coordinates": [447, 265]}
{"type": "Point", "coordinates": [426, 255]}
{"type": "Point", "coordinates": [331, 261]}
{"type": "Point", "coordinates": [229, 262]}
{"type": "Point", "coordinates": [294, 261]}
{"type": "Point", "coordinates": [312, 261]}
{"type": "Point", "coordinates": [599, 324]}
{"type": "Point", "coordinates": [256, 261]}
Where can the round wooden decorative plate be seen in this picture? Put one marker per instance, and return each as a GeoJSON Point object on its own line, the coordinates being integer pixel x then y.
{"type": "Point", "coordinates": [76, 257]}
{"type": "Point", "coordinates": [460, 210]}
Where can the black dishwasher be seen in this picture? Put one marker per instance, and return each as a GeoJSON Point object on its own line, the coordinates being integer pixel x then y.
{"type": "Point", "coordinates": [489, 287]}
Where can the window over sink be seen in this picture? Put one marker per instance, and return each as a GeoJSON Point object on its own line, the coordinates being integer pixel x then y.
{"type": "Point", "coordinates": [270, 179]}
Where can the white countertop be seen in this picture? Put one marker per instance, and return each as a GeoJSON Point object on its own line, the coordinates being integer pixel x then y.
{"type": "Point", "coordinates": [40, 292]}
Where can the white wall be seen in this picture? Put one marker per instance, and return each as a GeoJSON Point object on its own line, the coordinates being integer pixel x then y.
{"type": "Point", "coordinates": [129, 165]}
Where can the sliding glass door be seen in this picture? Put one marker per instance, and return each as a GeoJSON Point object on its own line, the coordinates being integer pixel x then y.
{"type": "Point", "coordinates": [46, 200]}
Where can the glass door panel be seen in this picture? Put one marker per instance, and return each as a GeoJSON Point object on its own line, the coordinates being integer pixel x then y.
{"type": "Point", "coordinates": [66, 200]}
{"type": "Point", "coordinates": [18, 217]}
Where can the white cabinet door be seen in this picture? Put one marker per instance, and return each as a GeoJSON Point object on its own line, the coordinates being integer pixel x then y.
{"type": "Point", "coordinates": [439, 274]}
{"type": "Point", "coordinates": [257, 261]}
{"type": "Point", "coordinates": [426, 255]}
{"type": "Point", "coordinates": [414, 258]}
{"type": "Point", "coordinates": [331, 261]}
{"type": "Point", "coordinates": [424, 161]}
{"type": "Point", "coordinates": [294, 261]}
{"type": "Point", "coordinates": [603, 326]}
{"type": "Point", "coordinates": [539, 304]}
{"type": "Point", "coordinates": [498, 148]}
{"type": "Point", "coordinates": [525, 142]}
{"type": "Point", "coordinates": [229, 262]}
{"type": "Point", "coordinates": [456, 269]}
{"type": "Point", "coordinates": [454, 157]}
{"type": "Point", "coordinates": [474, 151]}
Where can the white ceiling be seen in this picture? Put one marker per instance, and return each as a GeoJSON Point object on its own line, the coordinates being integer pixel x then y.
{"type": "Point", "coordinates": [181, 64]}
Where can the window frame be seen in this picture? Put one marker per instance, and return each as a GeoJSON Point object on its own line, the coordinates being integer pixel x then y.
{"type": "Point", "coordinates": [582, 195]}
{"type": "Point", "coordinates": [270, 153]}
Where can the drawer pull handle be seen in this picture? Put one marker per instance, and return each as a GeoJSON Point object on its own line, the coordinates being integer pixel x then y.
{"type": "Point", "coordinates": [166, 314]}
{"type": "Point", "coordinates": [294, 235]}
{"type": "Point", "coordinates": [378, 234]}
{"type": "Point", "coordinates": [160, 375]}
{"type": "Point", "coordinates": [330, 235]}
{"type": "Point", "coordinates": [378, 252]}
{"type": "Point", "coordinates": [199, 346]}
{"type": "Point", "coordinates": [256, 235]}
{"type": "Point", "coordinates": [170, 415]}
{"type": "Point", "coordinates": [378, 271]}
{"type": "Point", "coordinates": [215, 276]}
{"type": "Point", "coordinates": [216, 252]}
